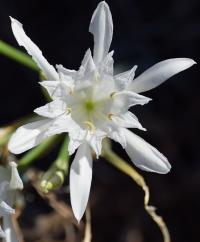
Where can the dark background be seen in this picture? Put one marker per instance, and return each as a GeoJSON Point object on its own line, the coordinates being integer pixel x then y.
{"type": "Point", "coordinates": [145, 32]}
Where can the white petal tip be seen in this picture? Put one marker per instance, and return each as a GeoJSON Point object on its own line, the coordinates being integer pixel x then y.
{"type": "Point", "coordinates": [11, 18]}
{"type": "Point", "coordinates": [78, 220]}
{"type": "Point", "coordinates": [163, 167]}
{"type": "Point", "coordinates": [187, 63]}
{"type": "Point", "coordinates": [11, 148]}
{"type": "Point", "coordinates": [192, 62]}
{"type": "Point", "coordinates": [103, 3]}
{"type": "Point", "coordinates": [160, 170]}
{"type": "Point", "coordinates": [12, 164]}
{"type": "Point", "coordinates": [148, 100]}
{"type": "Point", "coordinates": [14, 21]}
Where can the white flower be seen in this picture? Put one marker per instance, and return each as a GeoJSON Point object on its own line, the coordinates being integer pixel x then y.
{"type": "Point", "coordinates": [10, 181]}
{"type": "Point", "coordinates": [93, 103]}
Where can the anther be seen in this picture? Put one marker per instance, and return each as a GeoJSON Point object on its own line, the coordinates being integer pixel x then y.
{"type": "Point", "coordinates": [112, 94]}
{"type": "Point", "coordinates": [90, 126]}
{"type": "Point", "coordinates": [68, 111]}
{"type": "Point", "coordinates": [110, 115]}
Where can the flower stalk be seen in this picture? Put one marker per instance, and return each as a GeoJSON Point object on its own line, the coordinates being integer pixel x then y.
{"type": "Point", "coordinates": [5, 134]}
{"type": "Point", "coordinates": [18, 56]}
{"type": "Point", "coordinates": [124, 167]}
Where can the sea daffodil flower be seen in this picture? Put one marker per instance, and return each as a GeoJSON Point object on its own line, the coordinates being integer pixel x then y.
{"type": "Point", "coordinates": [10, 181]}
{"type": "Point", "coordinates": [93, 103]}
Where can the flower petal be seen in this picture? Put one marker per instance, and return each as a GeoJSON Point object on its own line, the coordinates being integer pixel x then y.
{"type": "Point", "coordinates": [28, 136]}
{"type": "Point", "coordinates": [4, 176]}
{"type": "Point", "coordinates": [9, 230]}
{"type": "Point", "coordinates": [115, 132]}
{"type": "Point", "coordinates": [65, 71]}
{"type": "Point", "coordinates": [85, 71]}
{"type": "Point", "coordinates": [95, 138]}
{"type": "Point", "coordinates": [101, 26]}
{"type": "Point", "coordinates": [159, 73]}
{"type": "Point", "coordinates": [53, 88]}
{"type": "Point", "coordinates": [5, 209]}
{"type": "Point", "coordinates": [52, 109]}
{"type": "Point", "coordinates": [15, 181]}
{"type": "Point", "coordinates": [2, 234]}
{"type": "Point", "coordinates": [4, 186]}
{"type": "Point", "coordinates": [106, 66]}
{"type": "Point", "coordinates": [127, 120]}
{"type": "Point", "coordinates": [124, 79]}
{"type": "Point", "coordinates": [59, 89]}
{"type": "Point", "coordinates": [77, 137]}
{"type": "Point", "coordinates": [33, 50]}
{"type": "Point", "coordinates": [80, 180]}
{"type": "Point", "coordinates": [144, 155]}
{"type": "Point", "coordinates": [62, 124]}
{"type": "Point", "coordinates": [123, 100]}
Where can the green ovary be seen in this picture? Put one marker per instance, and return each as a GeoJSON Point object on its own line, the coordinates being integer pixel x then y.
{"type": "Point", "coordinates": [89, 106]}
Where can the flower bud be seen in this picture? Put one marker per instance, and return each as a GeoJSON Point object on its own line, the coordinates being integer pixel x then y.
{"type": "Point", "coordinates": [52, 179]}
{"type": "Point", "coordinates": [15, 181]}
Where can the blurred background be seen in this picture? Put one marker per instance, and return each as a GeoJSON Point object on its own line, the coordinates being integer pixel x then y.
{"type": "Point", "coordinates": [145, 32]}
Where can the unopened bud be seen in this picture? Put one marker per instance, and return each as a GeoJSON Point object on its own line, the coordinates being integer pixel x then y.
{"type": "Point", "coordinates": [52, 179]}
{"type": "Point", "coordinates": [15, 181]}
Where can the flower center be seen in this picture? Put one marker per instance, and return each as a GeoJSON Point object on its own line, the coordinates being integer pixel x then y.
{"type": "Point", "coordinates": [89, 106]}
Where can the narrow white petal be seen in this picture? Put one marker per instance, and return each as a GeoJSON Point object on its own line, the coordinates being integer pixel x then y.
{"type": "Point", "coordinates": [127, 120]}
{"type": "Point", "coordinates": [28, 136]}
{"type": "Point", "coordinates": [52, 109]}
{"type": "Point", "coordinates": [5, 209]}
{"type": "Point", "coordinates": [101, 26]}
{"type": "Point", "coordinates": [4, 186]}
{"type": "Point", "coordinates": [66, 72]}
{"type": "Point", "coordinates": [4, 177]}
{"type": "Point", "coordinates": [123, 100]}
{"type": "Point", "coordinates": [115, 132]}
{"type": "Point", "coordinates": [95, 140]}
{"type": "Point", "coordinates": [53, 88]}
{"type": "Point", "coordinates": [85, 71]}
{"type": "Point", "coordinates": [10, 234]}
{"type": "Point", "coordinates": [159, 73]}
{"type": "Point", "coordinates": [106, 66]}
{"type": "Point", "coordinates": [33, 50]}
{"type": "Point", "coordinates": [80, 180]}
{"type": "Point", "coordinates": [15, 181]}
{"type": "Point", "coordinates": [2, 234]}
{"type": "Point", "coordinates": [77, 137]}
{"type": "Point", "coordinates": [62, 124]}
{"type": "Point", "coordinates": [123, 80]}
{"type": "Point", "coordinates": [59, 89]}
{"type": "Point", "coordinates": [87, 62]}
{"type": "Point", "coordinates": [144, 155]}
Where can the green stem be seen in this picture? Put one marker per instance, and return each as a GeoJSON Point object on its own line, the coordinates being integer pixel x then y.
{"type": "Point", "coordinates": [18, 56]}
{"type": "Point", "coordinates": [36, 152]}
{"type": "Point", "coordinates": [63, 155]}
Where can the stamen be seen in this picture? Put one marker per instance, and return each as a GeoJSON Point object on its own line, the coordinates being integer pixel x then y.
{"type": "Point", "coordinates": [70, 91]}
{"type": "Point", "coordinates": [96, 77]}
{"type": "Point", "coordinates": [90, 126]}
{"type": "Point", "coordinates": [110, 115]}
{"type": "Point", "coordinates": [112, 94]}
{"type": "Point", "coordinates": [68, 111]}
